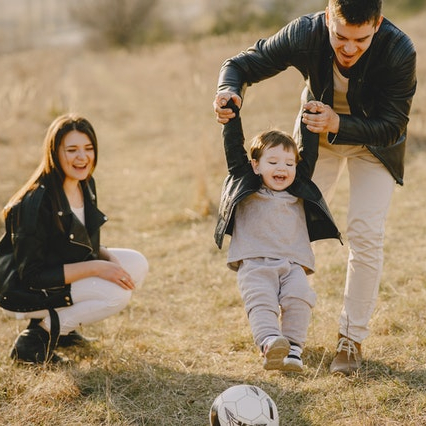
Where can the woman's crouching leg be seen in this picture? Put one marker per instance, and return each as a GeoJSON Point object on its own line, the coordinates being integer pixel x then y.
{"type": "Point", "coordinates": [94, 299]}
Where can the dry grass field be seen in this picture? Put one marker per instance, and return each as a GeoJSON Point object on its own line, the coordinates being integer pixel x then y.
{"type": "Point", "coordinates": [185, 338]}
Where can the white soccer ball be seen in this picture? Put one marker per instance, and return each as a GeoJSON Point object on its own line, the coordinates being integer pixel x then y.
{"type": "Point", "coordinates": [244, 405]}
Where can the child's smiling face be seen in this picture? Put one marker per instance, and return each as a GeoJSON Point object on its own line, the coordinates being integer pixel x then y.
{"type": "Point", "coordinates": [277, 167]}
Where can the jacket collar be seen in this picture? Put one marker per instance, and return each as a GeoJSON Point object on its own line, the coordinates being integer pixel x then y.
{"type": "Point", "coordinates": [93, 216]}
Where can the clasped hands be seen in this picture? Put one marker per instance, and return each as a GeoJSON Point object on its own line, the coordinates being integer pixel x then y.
{"type": "Point", "coordinates": [318, 117]}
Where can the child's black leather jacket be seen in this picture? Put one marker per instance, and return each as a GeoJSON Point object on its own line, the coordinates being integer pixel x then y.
{"type": "Point", "coordinates": [242, 181]}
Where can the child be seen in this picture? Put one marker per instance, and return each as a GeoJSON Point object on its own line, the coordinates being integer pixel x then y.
{"type": "Point", "coordinates": [272, 213]}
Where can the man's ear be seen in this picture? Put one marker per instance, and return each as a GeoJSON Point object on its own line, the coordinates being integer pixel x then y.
{"type": "Point", "coordinates": [379, 22]}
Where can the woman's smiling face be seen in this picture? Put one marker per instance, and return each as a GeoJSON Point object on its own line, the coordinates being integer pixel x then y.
{"type": "Point", "coordinates": [76, 156]}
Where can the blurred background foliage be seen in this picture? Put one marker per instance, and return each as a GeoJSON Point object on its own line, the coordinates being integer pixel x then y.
{"type": "Point", "coordinates": [130, 23]}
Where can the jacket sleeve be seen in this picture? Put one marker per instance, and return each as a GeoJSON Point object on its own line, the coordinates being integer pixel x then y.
{"type": "Point", "coordinates": [308, 143]}
{"type": "Point", "coordinates": [270, 56]}
{"type": "Point", "coordinates": [233, 139]}
{"type": "Point", "coordinates": [253, 65]}
{"type": "Point", "coordinates": [32, 227]}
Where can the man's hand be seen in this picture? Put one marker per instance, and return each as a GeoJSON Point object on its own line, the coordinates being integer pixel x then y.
{"type": "Point", "coordinates": [223, 115]}
{"type": "Point", "coordinates": [322, 118]}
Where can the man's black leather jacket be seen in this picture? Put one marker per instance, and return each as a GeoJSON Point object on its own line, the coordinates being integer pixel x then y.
{"type": "Point", "coordinates": [381, 84]}
{"type": "Point", "coordinates": [242, 181]}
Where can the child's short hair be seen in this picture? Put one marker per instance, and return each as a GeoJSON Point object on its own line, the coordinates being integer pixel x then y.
{"type": "Point", "coordinates": [270, 139]}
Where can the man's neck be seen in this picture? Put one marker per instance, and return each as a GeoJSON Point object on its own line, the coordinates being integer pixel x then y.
{"type": "Point", "coordinates": [343, 70]}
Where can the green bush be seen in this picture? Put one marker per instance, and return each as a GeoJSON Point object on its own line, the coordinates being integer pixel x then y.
{"type": "Point", "coordinates": [117, 22]}
{"type": "Point", "coordinates": [247, 15]}
{"type": "Point", "coordinates": [244, 16]}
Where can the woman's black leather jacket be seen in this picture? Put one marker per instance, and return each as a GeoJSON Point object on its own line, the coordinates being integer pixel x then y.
{"type": "Point", "coordinates": [40, 248]}
{"type": "Point", "coordinates": [242, 181]}
{"type": "Point", "coordinates": [381, 84]}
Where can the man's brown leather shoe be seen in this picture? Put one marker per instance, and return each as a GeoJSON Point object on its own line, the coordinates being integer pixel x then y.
{"type": "Point", "coordinates": [348, 357]}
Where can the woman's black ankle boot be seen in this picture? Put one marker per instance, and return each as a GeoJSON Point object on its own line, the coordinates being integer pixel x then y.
{"type": "Point", "coordinates": [34, 345]}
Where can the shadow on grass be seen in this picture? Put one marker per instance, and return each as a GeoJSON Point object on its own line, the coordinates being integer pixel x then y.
{"type": "Point", "coordinates": [371, 371]}
{"type": "Point", "coordinates": [125, 388]}
{"type": "Point", "coordinates": [151, 394]}
{"type": "Point", "coordinates": [374, 371]}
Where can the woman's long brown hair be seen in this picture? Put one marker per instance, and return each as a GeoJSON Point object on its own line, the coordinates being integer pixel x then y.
{"type": "Point", "coordinates": [49, 167]}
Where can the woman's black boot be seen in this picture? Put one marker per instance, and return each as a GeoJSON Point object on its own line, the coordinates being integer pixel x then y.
{"type": "Point", "coordinates": [34, 346]}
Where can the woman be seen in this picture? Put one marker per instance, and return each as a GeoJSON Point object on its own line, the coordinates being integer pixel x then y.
{"type": "Point", "coordinates": [52, 267]}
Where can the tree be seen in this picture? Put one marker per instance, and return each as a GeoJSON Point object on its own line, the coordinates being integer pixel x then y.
{"type": "Point", "coordinates": [119, 22]}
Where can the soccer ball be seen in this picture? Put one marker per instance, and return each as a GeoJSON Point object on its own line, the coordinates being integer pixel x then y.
{"type": "Point", "coordinates": [244, 405]}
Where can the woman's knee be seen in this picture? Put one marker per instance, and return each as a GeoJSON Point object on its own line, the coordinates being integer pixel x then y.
{"type": "Point", "coordinates": [141, 268]}
{"type": "Point", "coordinates": [134, 262]}
{"type": "Point", "coordinates": [118, 299]}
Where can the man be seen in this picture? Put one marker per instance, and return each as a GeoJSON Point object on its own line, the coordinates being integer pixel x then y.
{"type": "Point", "coordinates": [359, 71]}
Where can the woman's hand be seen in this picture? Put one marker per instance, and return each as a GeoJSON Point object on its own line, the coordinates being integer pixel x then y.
{"type": "Point", "coordinates": [109, 270]}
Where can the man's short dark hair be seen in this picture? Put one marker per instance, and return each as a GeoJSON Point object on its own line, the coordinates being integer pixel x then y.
{"type": "Point", "coordinates": [357, 12]}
